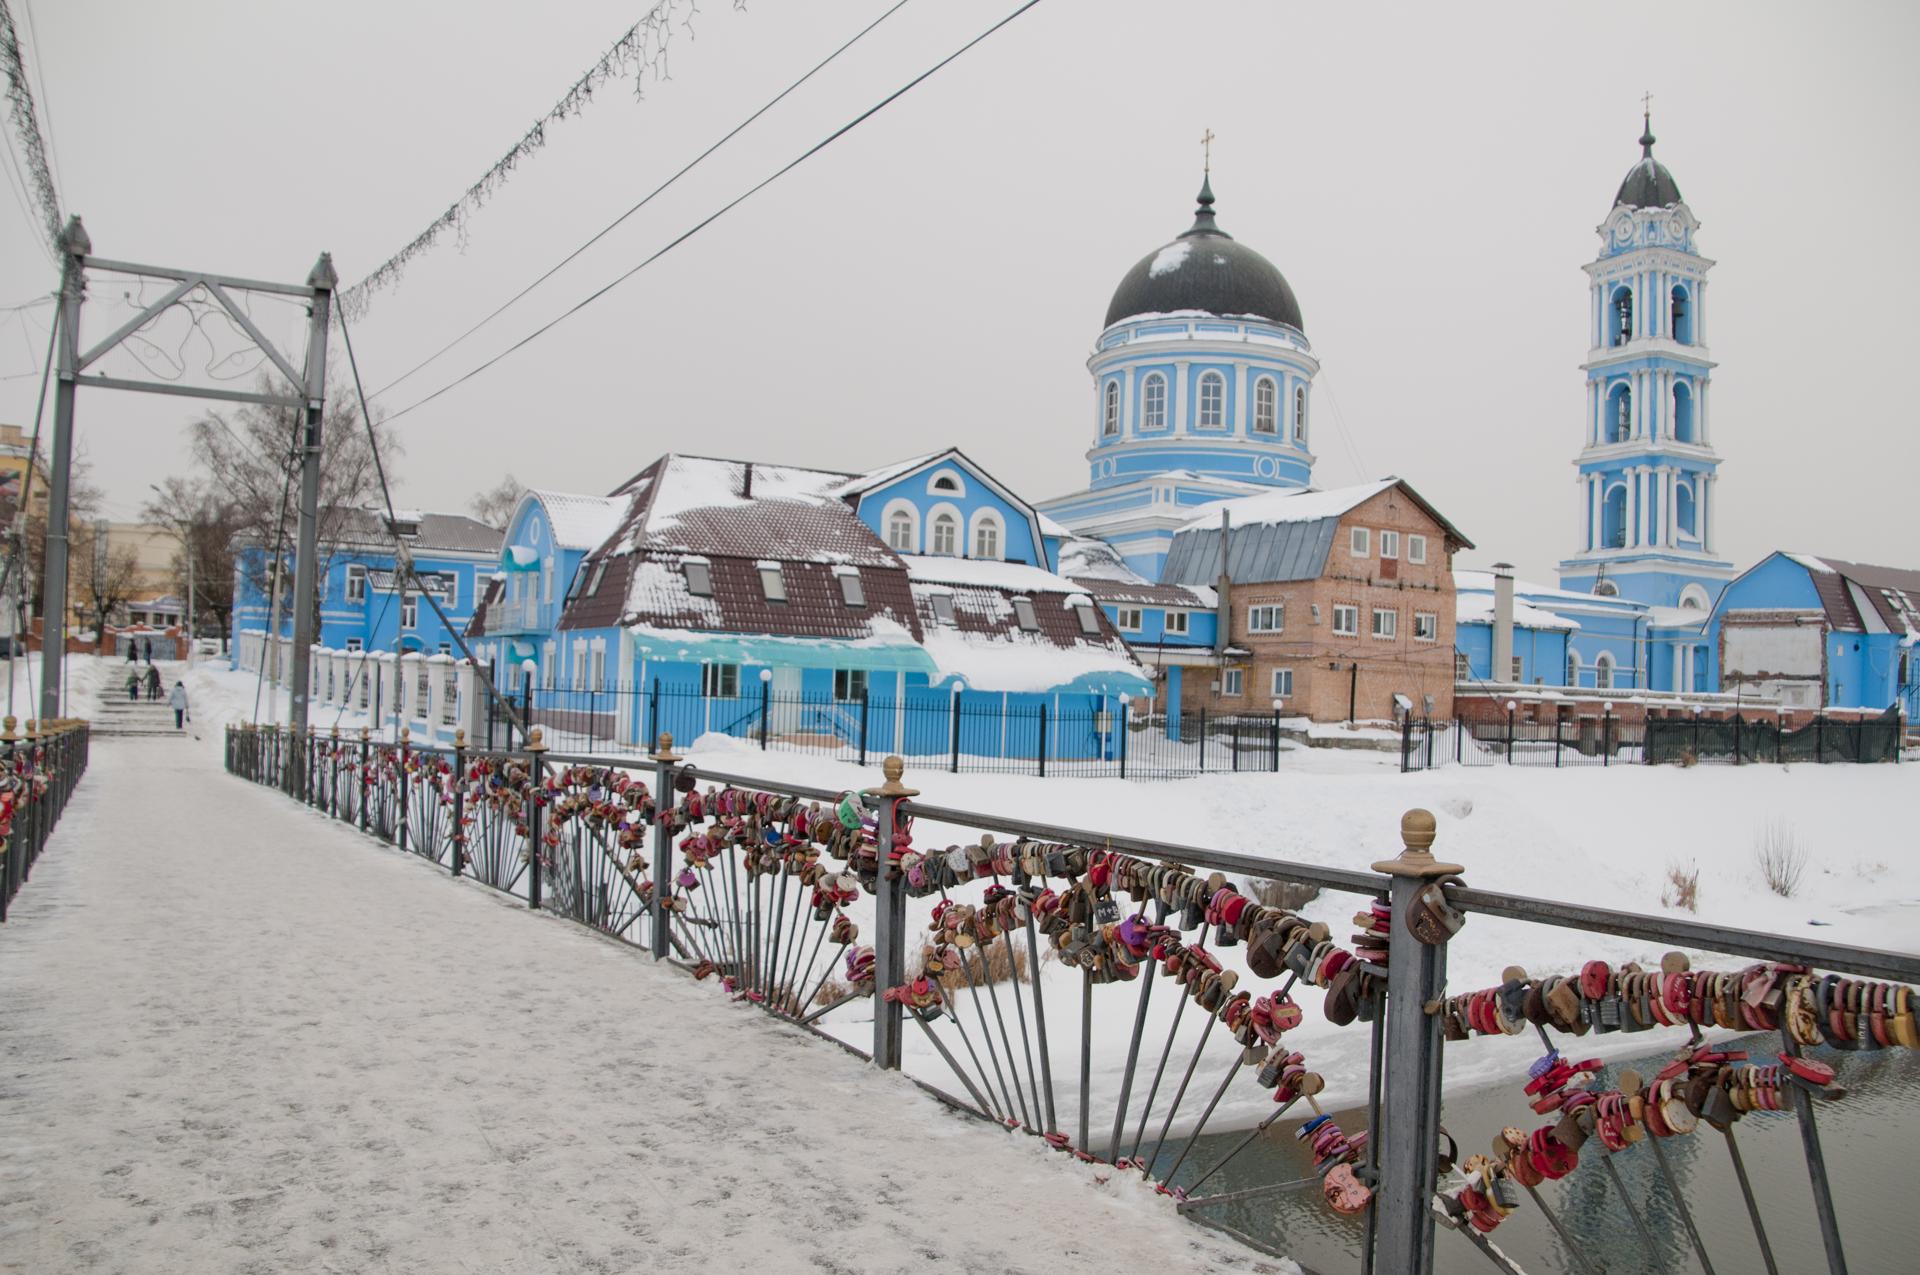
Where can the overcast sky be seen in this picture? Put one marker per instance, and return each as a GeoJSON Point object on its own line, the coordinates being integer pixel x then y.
{"type": "Point", "coordinates": [1427, 177]}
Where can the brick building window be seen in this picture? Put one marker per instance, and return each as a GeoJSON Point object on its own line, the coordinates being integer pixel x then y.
{"type": "Point", "coordinates": [1416, 549]}
{"type": "Point", "coordinates": [1360, 542]}
{"type": "Point", "coordinates": [1426, 626]}
{"type": "Point", "coordinates": [1389, 544]}
{"type": "Point", "coordinates": [1462, 667]}
{"type": "Point", "coordinates": [1386, 623]}
{"type": "Point", "coordinates": [1266, 619]}
{"type": "Point", "coordinates": [1346, 620]}
{"type": "Point", "coordinates": [1232, 682]}
{"type": "Point", "coordinates": [1282, 683]}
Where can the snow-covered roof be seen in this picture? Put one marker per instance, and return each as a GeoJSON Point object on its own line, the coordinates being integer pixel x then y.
{"type": "Point", "coordinates": [1048, 527]}
{"type": "Point", "coordinates": [1294, 505]}
{"type": "Point", "coordinates": [1468, 581]}
{"type": "Point", "coordinates": [1808, 561]}
{"type": "Point", "coordinates": [985, 646]}
{"type": "Point", "coordinates": [1014, 576]}
{"type": "Point", "coordinates": [1676, 617]}
{"type": "Point", "coordinates": [885, 474]}
{"type": "Point", "coordinates": [1477, 608]}
{"type": "Point", "coordinates": [579, 521]}
{"type": "Point", "coordinates": [1083, 558]}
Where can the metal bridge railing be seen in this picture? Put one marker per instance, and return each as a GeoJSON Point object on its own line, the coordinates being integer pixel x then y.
{"type": "Point", "coordinates": [39, 769]}
{"type": "Point", "coordinates": [1120, 996]}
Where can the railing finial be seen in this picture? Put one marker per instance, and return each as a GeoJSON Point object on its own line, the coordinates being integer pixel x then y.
{"type": "Point", "coordinates": [9, 735]}
{"type": "Point", "coordinates": [893, 767]}
{"type": "Point", "coordinates": [536, 744]}
{"type": "Point", "coordinates": [663, 748]}
{"type": "Point", "coordinates": [459, 737]}
{"type": "Point", "coordinates": [1417, 829]}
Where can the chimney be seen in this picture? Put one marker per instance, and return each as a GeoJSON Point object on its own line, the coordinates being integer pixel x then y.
{"type": "Point", "coordinates": [1222, 603]}
{"type": "Point", "coordinates": [746, 484]}
{"type": "Point", "coordinates": [1502, 622]}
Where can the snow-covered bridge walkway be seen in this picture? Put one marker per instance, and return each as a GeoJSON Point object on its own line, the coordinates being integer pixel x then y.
{"type": "Point", "coordinates": [236, 1037]}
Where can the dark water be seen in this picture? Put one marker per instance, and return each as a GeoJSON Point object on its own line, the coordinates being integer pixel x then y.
{"type": "Point", "coordinates": [1869, 1138]}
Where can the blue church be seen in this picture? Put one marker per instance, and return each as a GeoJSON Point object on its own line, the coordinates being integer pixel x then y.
{"type": "Point", "coordinates": [1200, 393]}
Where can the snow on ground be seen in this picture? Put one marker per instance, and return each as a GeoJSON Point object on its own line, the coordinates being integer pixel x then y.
{"type": "Point", "coordinates": [241, 1038]}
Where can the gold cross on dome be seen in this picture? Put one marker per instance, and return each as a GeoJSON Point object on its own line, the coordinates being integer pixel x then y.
{"type": "Point", "coordinates": [1206, 151]}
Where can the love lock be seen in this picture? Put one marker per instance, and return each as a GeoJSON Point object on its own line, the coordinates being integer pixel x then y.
{"type": "Point", "coordinates": [1432, 919]}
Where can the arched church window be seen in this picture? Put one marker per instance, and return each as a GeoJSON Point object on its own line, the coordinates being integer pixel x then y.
{"type": "Point", "coordinates": [1266, 406]}
{"type": "Point", "coordinates": [1573, 668]}
{"type": "Point", "coordinates": [1680, 315]}
{"type": "Point", "coordinates": [1683, 428]}
{"type": "Point", "coordinates": [1622, 325]}
{"type": "Point", "coordinates": [946, 534]}
{"type": "Point", "coordinates": [1613, 518]}
{"type": "Point", "coordinates": [1153, 402]}
{"type": "Point", "coordinates": [1213, 401]}
{"type": "Point", "coordinates": [900, 531]}
{"type": "Point", "coordinates": [1619, 418]}
{"type": "Point", "coordinates": [1693, 598]}
{"type": "Point", "coordinates": [1299, 413]}
{"type": "Point", "coordinates": [1684, 508]}
{"type": "Point", "coordinates": [1603, 672]}
{"type": "Point", "coordinates": [1110, 425]}
{"type": "Point", "coordinates": [1605, 589]}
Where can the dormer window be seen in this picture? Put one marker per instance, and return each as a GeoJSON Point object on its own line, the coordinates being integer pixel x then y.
{"type": "Point", "coordinates": [599, 573]}
{"type": "Point", "coordinates": [773, 582]}
{"type": "Point", "coordinates": [1089, 618]}
{"type": "Point", "coordinates": [946, 534]}
{"type": "Point", "coordinates": [850, 590]}
{"type": "Point", "coordinates": [699, 579]}
{"type": "Point", "coordinates": [942, 604]}
{"type": "Point", "coordinates": [1024, 613]}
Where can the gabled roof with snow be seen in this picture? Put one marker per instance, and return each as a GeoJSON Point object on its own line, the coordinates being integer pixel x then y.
{"type": "Point", "coordinates": [357, 528]}
{"type": "Point", "coordinates": [1860, 597]}
{"type": "Point", "coordinates": [1477, 608]}
{"type": "Point", "coordinates": [579, 521]}
{"type": "Point", "coordinates": [1015, 577]}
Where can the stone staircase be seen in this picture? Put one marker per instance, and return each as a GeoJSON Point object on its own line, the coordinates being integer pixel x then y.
{"type": "Point", "coordinates": [115, 714]}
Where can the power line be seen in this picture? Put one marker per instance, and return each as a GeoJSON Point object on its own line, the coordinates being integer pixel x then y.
{"type": "Point", "coordinates": [27, 126]}
{"type": "Point", "coordinates": [46, 99]}
{"type": "Point", "coordinates": [608, 228]}
{"type": "Point", "coordinates": [722, 211]}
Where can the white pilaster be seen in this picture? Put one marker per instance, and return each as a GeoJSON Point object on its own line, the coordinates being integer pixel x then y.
{"type": "Point", "coordinates": [1180, 397]}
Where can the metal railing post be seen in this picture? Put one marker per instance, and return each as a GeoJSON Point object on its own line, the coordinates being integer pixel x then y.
{"type": "Point", "coordinates": [1509, 734]}
{"type": "Point", "coordinates": [10, 849]}
{"type": "Point", "coordinates": [1409, 1130]}
{"type": "Point", "coordinates": [1126, 712]}
{"type": "Point", "coordinates": [766, 708]}
{"type": "Point", "coordinates": [457, 833]}
{"type": "Point", "coordinates": [1042, 750]}
{"type": "Point", "coordinates": [953, 711]}
{"type": "Point", "coordinates": [890, 905]}
{"type": "Point", "coordinates": [1606, 739]}
{"type": "Point", "coordinates": [333, 774]}
{"type": "Point", "coordinates": [1203, 739]}
{"type": "Point", "coordinates": [364, 780]}
{"type": "Point", "coordinates": [536, 802]}
{"type": "Point", "coordinates": [664, 801]}
{"type": "Point", "coordinates": [400, 778]}
{"type": "Point", "coordinates": [864, 718]}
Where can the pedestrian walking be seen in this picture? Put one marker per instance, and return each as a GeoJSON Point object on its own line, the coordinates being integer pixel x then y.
{"type": "Point", "coordinates": [153, 683]}
{"type": "Point", "coordinates": [149, 648]}
{"type": "Point", "coordinates": [133, 649]}
{"type": "Point", "coordinates": [179, 701]}
{"type": "Point", "coordinates": [133, 687]}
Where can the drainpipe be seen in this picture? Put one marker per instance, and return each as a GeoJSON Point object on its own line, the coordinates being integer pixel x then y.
{"type": "Point", "coordinates": [1502, 669]}
{"type": "Point", "coordinates": [1222, 606]}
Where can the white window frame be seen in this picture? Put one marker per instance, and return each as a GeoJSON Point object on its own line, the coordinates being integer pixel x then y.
{"type": "Point", "coordinates": [1266, 406]}
{"type": "Point", "coordinates": [1153, 401]}
{"type": "Point", "coordinates": [1462, 667]}
{"type": "Point", "coordinates": [987, 523]}
{"type": "Point", "coordinates": [1417, 550]}
{"type": "Point", "coordinates": [356, 582]}
{"type": "Point", "coordinates": [1299, 413]}
{"type": "Point", "coordinates": [945, 520]}
{"type": "Point", "coordinates": [597, 664]}
{"type": "Point", "coordinates": [1110, 410]}
{"type": "Point", "coordinates": [1391, 629]}
{"type": "Point", "coordinates": [1351, 614]}
{"type": "Point", "coordinates": [1426, 626]}
{"type": "Point", "coordinates": [409, 610]}
{"type": "Point", "coordinates": [1210, 379]}
{"type": "Point", "coordinates": [1267, 617]}
{"type": "Point", "coordinates": [849, 684]}
{"type": "Point", "coordinates": [579, 678]}
{"type": "Point", "coordinates": [1129, 619]}
{"type": "Point", "coordinates": [1389, 544]}
{"type": "Point", "coordinates": [549, 657]}
{"type": "Point", "coordinates": [720, 681]}
{"type": "Point", "coordinates": [1283, 683]}
{"type": "Point", "coordinates": [1025, 615]}
{"type": "Point", "coordinates": [1603, 670]}
{"type": "Point", "coordinates": [1232, 683]}
{"type": "Point", "coordinates": [1179, 623]}
{"type": "Point", "coordinates": [1573, 668]}
{"type": "Point", "coordinates": [773, 583]}
{"type": "Point", "coordinates": [546, 581]}
{"type": "Point", "coordinates": [896, 510]}
{"type": "Point", "coordinates": [1360, 542]}
{"type": "Point", "coordinates": [1519, 673]}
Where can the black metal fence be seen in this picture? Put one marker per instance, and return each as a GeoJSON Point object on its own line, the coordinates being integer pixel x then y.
{"type": "Point", "coordinates": [1426, 744]}
{"type": "Point", "coordinates": [972, 732]}
{"type": "Point", "coordinates": [38, 771]}
{"type": "Point", "coordinates": [1026, 961]}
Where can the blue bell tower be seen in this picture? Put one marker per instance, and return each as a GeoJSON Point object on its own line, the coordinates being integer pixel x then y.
{"type": "Point", "coordinates": [1647, 480]}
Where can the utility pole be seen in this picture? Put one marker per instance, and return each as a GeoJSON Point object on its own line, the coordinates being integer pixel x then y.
{"type": "Point", "coordinates": [322, 280]}
{"type": "Point", "coordinates": [75, 246]}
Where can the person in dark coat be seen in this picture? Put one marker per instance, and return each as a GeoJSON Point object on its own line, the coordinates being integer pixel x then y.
{"type": "Point", "coordinates": [133, 687]}
{"type": "Point", "coordinates": [133, 650]}
{"type": "Point", "coordinates": [153, 682]}
{"type": "Point", "coordinates": [149, 653]}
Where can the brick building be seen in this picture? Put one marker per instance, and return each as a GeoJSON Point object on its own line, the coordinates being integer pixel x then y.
{"type": "Point", "coordinates": [1335, 601]}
